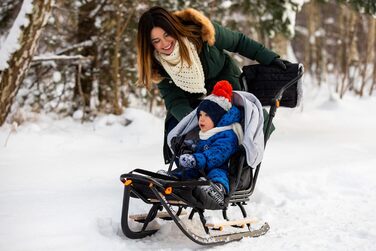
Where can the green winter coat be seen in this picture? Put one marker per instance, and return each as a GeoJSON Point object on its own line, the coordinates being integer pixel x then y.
{"type": "Point", "coordinates": [217, 65]}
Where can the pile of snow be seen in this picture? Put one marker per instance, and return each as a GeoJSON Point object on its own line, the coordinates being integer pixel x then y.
{"type": "Point", "coordinates": [60, 188]}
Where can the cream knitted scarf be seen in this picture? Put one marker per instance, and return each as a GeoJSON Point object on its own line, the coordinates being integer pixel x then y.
{"type": "Point", "coordinates": [236, 127]}
{"type": "Point", "coordinates": [189, 78]}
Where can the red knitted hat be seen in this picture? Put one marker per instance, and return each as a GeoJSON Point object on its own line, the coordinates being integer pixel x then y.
{"type": "Point", "coordinates": [218, 103]}
{"type": "Point", "coordinates": [223, 88]}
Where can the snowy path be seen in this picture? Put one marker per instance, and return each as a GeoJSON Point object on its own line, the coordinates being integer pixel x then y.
{"type": "Point", "coordinates": [59, 187]}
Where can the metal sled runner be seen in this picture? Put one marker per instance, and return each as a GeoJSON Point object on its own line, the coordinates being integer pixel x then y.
{"type": "Point", "coordinates": [169, 198]}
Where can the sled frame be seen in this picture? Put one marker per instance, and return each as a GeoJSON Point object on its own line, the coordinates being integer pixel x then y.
{"type": "Point", "coordinates": [167, 204]}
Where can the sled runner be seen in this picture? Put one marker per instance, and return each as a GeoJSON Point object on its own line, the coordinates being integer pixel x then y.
{"type": "Point", "coordinates": [170, 198]}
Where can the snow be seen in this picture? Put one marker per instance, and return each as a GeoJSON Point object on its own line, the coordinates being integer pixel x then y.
{"type": "Point", "coordinates": [11, 43]}
{"type": "Point", "coordinates": [60, 188]}
{"type": "Point", "coordinates": [56, 76]}
{"type": "Point", "coordinates": [226, 4]}
{"type": "Point", "coordinates": [290, 13]}
{"type": "Point", "coordinates": [53, 57]}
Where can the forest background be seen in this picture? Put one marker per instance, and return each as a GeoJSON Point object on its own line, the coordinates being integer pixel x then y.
{"type": "Point", "coordinates": [78, 58]}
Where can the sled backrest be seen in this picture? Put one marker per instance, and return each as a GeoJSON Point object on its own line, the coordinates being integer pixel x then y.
{"type": "Point", "coordinates": [273, 87]}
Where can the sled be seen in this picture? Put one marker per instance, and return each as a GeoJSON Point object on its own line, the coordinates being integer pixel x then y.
{"type": "Point", "coordinates": [171, 199]}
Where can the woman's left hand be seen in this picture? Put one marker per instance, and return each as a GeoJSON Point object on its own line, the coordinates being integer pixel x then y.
{"type": "Point", "coordinates": [278, 62]}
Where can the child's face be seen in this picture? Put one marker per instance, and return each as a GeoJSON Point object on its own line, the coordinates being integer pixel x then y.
{"type": "Point", "coordinates": [205, 122]}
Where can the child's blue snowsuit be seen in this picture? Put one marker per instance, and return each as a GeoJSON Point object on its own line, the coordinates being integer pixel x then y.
{"type": "Point", "coordinates": [212, 154]}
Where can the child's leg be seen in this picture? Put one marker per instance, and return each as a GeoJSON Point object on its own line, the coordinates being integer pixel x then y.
{"type": "Point", "coordinates": [219, 175]}
{"type": "Point", "coordinates": [186, 173]}
{"type": "Point", "coordinates": [214, 195]}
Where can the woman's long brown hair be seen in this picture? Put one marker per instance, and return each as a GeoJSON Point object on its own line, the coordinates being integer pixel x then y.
{"type": "Point", "coordinates": [158, 17]}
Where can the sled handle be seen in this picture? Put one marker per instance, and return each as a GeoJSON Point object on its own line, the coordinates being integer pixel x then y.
{"type": "Point", "coordinates": [172, 160]}
{"type": "Point", "coordinates": [276, 101]}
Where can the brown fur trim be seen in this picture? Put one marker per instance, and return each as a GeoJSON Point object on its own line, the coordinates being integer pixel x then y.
{"type": "Point", "coordinates": [207, 28]}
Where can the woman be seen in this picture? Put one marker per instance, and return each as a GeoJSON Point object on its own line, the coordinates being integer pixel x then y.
{"type": "Point", "coordinates": [183, 53]}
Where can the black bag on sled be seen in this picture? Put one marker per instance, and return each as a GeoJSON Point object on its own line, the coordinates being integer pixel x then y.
{"type": "Point", "coordinates": [264, 81]}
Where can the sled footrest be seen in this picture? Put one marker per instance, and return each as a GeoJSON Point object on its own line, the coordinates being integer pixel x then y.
{"type": "Point", "coordinates": [161, 215]}
{"type": "Point", "coordinates": [232, 223]}
{"type": "Point", "coordinates": [172, 202]}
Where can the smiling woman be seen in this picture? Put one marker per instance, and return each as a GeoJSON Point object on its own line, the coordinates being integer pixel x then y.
{"type": "Point", "coordinates": [183, 53]}
{"type": "Point", "coordinates": [162, 41]}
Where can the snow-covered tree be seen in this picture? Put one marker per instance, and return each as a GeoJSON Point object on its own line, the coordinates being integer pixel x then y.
{"type": "Point", "coordinates": [18, 48]}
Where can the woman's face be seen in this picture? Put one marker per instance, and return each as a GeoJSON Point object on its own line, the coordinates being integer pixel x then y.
{"type": "Point", "coordinates": [205, 122]}
{"type": "Point", "coordinates": [162, 41]}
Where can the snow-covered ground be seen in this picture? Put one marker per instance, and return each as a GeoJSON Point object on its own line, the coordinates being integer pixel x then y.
{"type": "Point", "coordinates": [60, 188]}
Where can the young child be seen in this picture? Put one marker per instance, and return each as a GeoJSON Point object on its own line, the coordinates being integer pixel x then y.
{"type": "Point", "coordinates": [220, 135]}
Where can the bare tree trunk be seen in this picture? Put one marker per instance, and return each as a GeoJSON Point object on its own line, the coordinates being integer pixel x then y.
{"type": "Point", "coordinates": [116, 60]}
{"type": "Point", "coordinates": [121, 25]}
{"type": "Point", "coordinates": [12, 77]}
{"type": "Point", "coordinates": [344, 50]}
{"type": "Point", "coordinates": [341, 52]}
{"type": "Point", "coordinates": [280, 44]}
{"type": "Point", "coordinates": [373, 86]}
{"type": "Point", "coordinates": [310, 48]}
{"type": "Point", "coordinates": [115, 64]}
{"type": "Point", "coordinates": [79, 86]}
{"type": "Point", "coordinates": [319, 46]}
{"type": "Point", "coordinates": [350, 55]}
{"type": "Point", "coordinates": [369, 52]}
{"type": "Point", "coordinates": [354, 53]}
{"type": "Point", "coordinates": [85, 32]}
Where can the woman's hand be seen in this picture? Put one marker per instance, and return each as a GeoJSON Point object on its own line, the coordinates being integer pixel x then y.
{"type": "Point", "coordinates": [278, 62]}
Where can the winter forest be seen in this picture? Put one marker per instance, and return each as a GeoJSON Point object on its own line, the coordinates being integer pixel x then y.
{"type": "Point", "coordinates": [79, 57]}
{"type": "Point", "coordinates": [73, 118]}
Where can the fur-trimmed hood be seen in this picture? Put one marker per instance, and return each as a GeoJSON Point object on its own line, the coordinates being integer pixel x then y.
{"type": "Point", "coordinates": [207, 28]}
